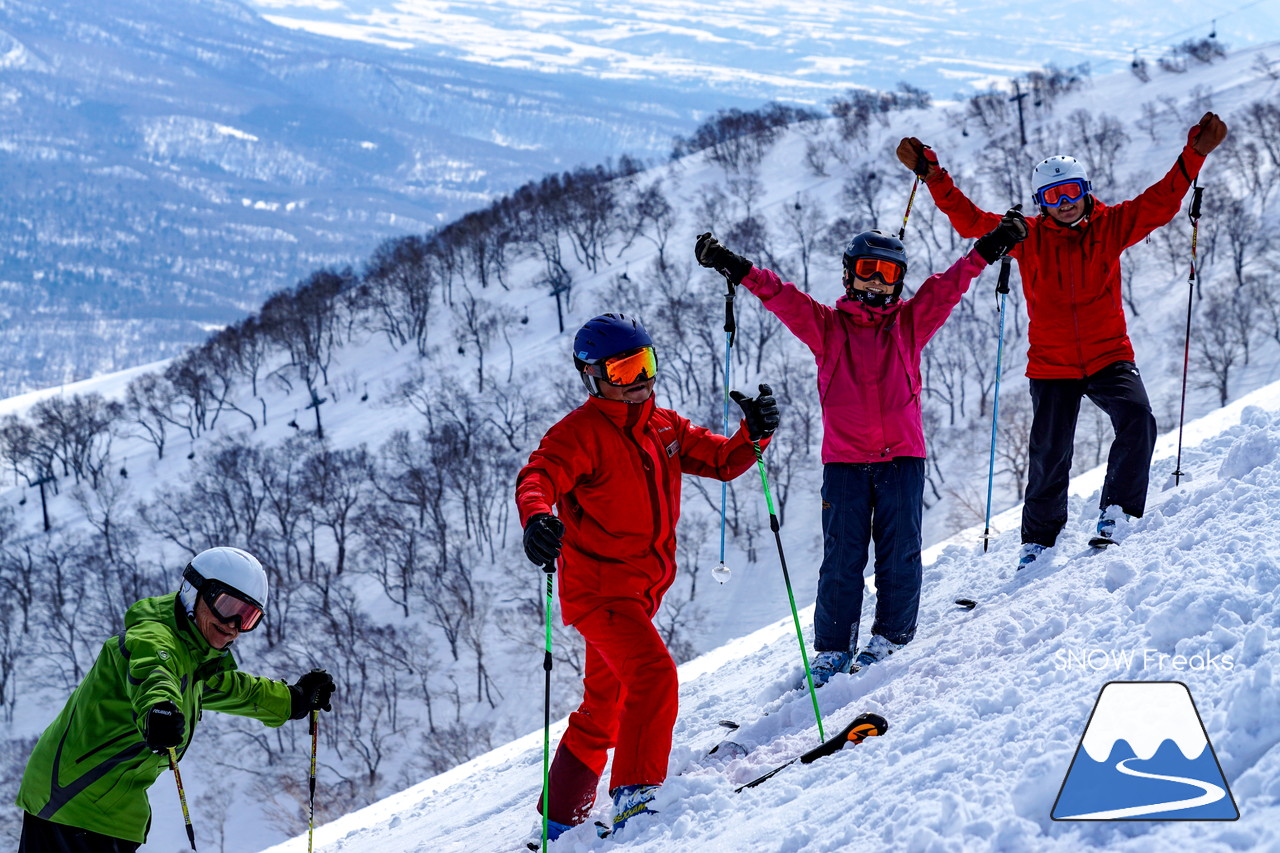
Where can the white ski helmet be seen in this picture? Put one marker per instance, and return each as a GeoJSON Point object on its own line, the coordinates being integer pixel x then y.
{"type": "Point", "coordinates": [237, 571]}
{"type": "Point", "coordinates": [1055, 170]}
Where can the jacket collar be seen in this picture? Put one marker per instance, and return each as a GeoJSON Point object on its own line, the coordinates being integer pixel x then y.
{"type": "Point", "coordinates": [625, 416]}
{"type": "Point", "coordinates": [1091, 206]}
{"type": "Point", "coordinates": [865, 315]}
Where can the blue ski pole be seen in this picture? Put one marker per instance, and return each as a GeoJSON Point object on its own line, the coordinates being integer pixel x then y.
{"type": "Point", "coordinates": [1002, 288]}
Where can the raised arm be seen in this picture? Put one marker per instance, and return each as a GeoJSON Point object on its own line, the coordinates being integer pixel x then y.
{"type": "Point", "coordinates": [1131, 221]}
{"type": "Point", "coordinates": [802, 314]}
{"type": "Point", "coordinates": [967, 218]}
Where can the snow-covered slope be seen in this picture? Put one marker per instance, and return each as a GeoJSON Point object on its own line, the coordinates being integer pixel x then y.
{"type": "Point", "coordinates": [985, 707]}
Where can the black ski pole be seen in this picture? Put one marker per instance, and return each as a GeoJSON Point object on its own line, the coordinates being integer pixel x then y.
{"type": "Point", "coordinates": [786, 577]}
{"type": "Point", "coordinates": [182, 797]}
{"type": "Point", "coordinates": [1002, 288]}
{"type": "Point", "coordinates": [550, 569]}
{"type": "Point", "coordinates": [1194, 215]}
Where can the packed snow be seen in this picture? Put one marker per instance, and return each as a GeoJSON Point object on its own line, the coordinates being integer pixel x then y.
{"type": "Point", "coordinates": [986, 707]}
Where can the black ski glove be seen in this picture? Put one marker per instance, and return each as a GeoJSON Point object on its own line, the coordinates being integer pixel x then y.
{"type": "Point", "coordinates": [1011, 231]}
{"type": "Point", "coordinates": [761, 414]}
{"type": "Point", "coordinates": [711, 254]}
{"type": "Point", "coordinates": [165, 727]}
{"type": "Point", "coordinates": [542, 539]}
{"type": "Point", "coordinates": [310, 693]}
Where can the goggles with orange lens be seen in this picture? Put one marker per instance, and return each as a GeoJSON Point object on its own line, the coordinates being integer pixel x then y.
{"type": "Point", "coordinates": [626, 368]}
{"type": "Point", "coordinates": [1055, 194]}
{"type": "Point", "coordinates": [889, 272]}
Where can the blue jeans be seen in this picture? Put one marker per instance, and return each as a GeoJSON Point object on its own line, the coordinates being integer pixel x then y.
{"type": "Point", "coordinates": [880, 501]}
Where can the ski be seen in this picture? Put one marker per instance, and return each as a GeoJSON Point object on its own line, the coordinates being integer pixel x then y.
{"type": "Point", "coordinates": [1101, 543]}
{"type": "Point", "coordinates": [863, 727]}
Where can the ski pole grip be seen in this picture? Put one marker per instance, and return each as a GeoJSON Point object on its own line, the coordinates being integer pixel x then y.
{"type": "Point", "coordinates": [1002, 283]}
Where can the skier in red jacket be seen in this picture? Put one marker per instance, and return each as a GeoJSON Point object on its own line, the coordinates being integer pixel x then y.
{"type": "Point", "coordinates": [612, 469]}
{"type": "Point", "coordinates": [1079, 345]}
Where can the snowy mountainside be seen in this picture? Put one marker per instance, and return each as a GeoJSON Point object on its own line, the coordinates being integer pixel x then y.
{"type": "Point", "coordinates": [985, 706]}
{"type": "Point", "coordinates": [167, 165]}
{"type": "Point", "coordinates": [442, 423]}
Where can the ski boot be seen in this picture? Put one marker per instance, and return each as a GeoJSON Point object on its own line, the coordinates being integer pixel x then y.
{"type": "Point", "coordinates": [629, 802]}
{"type": "Point", "coordinates": [877, 649]}
{"type": "Point", "coordinates": [827, 664]}
{"type": "Point", "coordinates": [1031, 552]}
{"type": "Point", "coordinates": [554, 831]}
{"type": "Point", "coordinates": [1106, 530]}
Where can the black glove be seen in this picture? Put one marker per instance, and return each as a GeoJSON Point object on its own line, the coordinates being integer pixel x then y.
{"type": "Point", "coordinates": [310, 693]}
{"type": "Point", "coordinates": [165, 727]}
{"type": "Point", "coordinates": [711, 254]}
{"type": "Point", "coordinates": [542, 539]}
{"type": "Point", "coordinates": [1011, 231]}
{"type": "Point", "coordinates": [761, 414]}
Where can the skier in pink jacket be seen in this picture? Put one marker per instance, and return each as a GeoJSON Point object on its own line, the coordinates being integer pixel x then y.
{"type": "Point", "coordinates": [868, 352]}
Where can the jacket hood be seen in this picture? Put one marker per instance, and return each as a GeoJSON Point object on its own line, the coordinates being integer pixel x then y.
{"type": "Point", "coordinates": [166, 610]}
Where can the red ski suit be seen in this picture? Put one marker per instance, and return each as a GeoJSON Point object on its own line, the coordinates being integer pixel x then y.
{"type": "Point", "coordinates": [613, 471]}
{"type": "Point", "coordinates": [1071, 273]}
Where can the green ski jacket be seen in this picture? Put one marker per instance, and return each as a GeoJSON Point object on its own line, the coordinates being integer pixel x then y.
{"type": "Point", "coordinates": [91, 768]}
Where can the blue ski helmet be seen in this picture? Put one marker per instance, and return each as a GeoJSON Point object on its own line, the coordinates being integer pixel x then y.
{"type": "Point", "coordinates": [604, 336]}
{"type": "Point", "coordinates": [874, 244]}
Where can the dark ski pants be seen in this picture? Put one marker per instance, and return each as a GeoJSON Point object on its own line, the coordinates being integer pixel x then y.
{"type": "Point", "coordinates": [1116, 389]}
{"type": "Point", "coordinates": [629, 704]}
{"type": "Point", "coordinates": [45, 836]}
{"type": "Point", "coordinates": [875, 501]}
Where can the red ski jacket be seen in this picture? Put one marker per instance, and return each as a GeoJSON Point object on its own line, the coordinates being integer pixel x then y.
{"type": "Point", "coordinates": [613, 471]}
{"type": "Point", "coordinates": [868, 359]}
{"type": "Point", "coordinates": [1071, 274]}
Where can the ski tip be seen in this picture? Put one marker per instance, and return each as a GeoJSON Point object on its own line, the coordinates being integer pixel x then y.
{"type": "Point", "coordinates": [1101, 543]}
{"type": "Point", "coordinates": [966, 603]}
{"type": "Point", "coordinates": [864, 726]}
{"type": "Point", "coordinates": [729, 724]}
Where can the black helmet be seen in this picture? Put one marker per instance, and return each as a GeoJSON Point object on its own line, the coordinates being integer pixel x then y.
{"type": "Point", "coordinates": [882, 247]}
{"type": "Point", "coordinates": [603, 337]}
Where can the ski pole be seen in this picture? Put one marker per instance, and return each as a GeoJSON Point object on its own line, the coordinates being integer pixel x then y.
{"type": "Point", "coordinates": [786, 577]}
{"type": "Point", "coordinates": [182, 797]}
{"type": "Point", "coordinates": [721, 572]}
{"type": "Point", "coordinates": [546, 711]}
{"type": "Point", "coordinates": [1002, 288]}
{"type": "Point", "coordinates": [311, 808]}
{"type": "Point", "coordinates": [1194, 215]}
{"type": "Point", "coordinates": [902, 232]}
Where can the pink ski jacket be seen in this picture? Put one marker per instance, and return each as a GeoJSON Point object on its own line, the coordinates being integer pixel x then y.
{"type": "Point", "coordinates": [868, 359]}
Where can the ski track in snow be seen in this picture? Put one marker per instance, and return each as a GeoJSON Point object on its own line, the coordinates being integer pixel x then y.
{"type": "Point", "coordinates": [1211, 794]}
{"type": "Point", "coordinates": [984, 708]}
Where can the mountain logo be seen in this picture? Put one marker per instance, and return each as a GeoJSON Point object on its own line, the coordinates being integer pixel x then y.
{"type": "Point", "coordinates": [1145, 755]}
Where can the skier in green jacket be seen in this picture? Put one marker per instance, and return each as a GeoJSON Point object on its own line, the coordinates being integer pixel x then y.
{"type": "Point", "coordinates": [85, 786]}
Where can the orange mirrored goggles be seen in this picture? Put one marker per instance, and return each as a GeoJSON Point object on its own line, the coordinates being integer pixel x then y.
{"type": "Point", "coordinates": [1055, 194]}
{"type": "Point", "coordinates": [626, 368]}
{"type": "Point", "coordinates": [889, 272]}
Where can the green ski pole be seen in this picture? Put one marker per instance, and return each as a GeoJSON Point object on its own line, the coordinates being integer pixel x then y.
{"type": "Point", "coordinates": [786, 577]}
{"type": "Point", "coordinates": [546, 711]}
